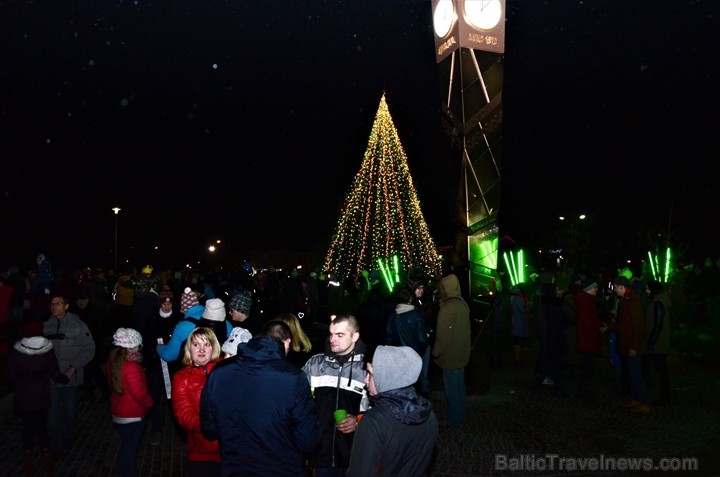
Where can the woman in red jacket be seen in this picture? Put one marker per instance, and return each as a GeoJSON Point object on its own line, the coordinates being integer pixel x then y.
{"type": "Point", "coordinates": [588, 336]}
{"type": "Point", "coordinates": [130, 399]}
{"type": "Point", "coordinates": [200, 354]}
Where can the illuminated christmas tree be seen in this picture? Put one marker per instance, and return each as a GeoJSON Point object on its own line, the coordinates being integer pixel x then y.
{"type": "Point", "coordinates": [381, 222]}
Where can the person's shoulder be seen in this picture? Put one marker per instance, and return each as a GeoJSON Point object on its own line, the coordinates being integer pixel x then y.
{"type": "Point", "coordinates": [317, 356]}
{"type": "Point", "coordinates": [186, 324]}
{"type": "Point", "coordinates": [133, 367]}
{"type": "Point", "coordinates": [376, 417]}
{"type": "Point", "coordinates": [315, 359]}
{"type": "Point", "coordinates": [284, 367]}
{"type": "Point", "coordinates": [75, 318]}
{"type": "Point", "coordinates": [180, 374]}
{"type": "Point", "coordinates": [224, 365]}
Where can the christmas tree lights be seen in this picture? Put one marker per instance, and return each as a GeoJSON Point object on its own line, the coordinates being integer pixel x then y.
{"type": "Point", "coordinates": [381, 216]}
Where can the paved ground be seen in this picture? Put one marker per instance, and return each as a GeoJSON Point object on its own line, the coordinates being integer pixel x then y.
{"type": "Point", "coordinates": [508, 418]}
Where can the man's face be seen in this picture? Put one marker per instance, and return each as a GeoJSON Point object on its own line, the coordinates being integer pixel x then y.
{"type": "Point", "coordinates": [58, 306]}
{"type": "Point", "coordinates": [619, 290]}
{"type": "Point", "coordinates": [370, 380]}
{"type": "Point", "coordinates": [342, 338]}
{"type": "Point", "coordinates": [166, 306]}
{"type": "Point", "coordinates": [238, 316]}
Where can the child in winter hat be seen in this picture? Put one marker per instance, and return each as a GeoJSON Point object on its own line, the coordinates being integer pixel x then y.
{"type": "Point", "coordinates": [240, 305]}
{"type": "Point", "coordinates": [238, 335]}
{"type": "Point", "coordinates": [188, 299]}
{"type": "Point", "coordinates": [127, 338]}
{"type": "Point", "coordinates": [395, 367]}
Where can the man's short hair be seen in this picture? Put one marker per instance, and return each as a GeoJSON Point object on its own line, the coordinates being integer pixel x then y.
{"type": "Point", "coordinates": [350, 320]}
{"type": "Point", "coordinates": [277, 329]}
{"type": "Point", "coordinates": [404, 296]}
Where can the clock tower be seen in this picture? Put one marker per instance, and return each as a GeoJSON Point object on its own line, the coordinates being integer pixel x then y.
{"type": "Point", "coordinates": [469, 50]}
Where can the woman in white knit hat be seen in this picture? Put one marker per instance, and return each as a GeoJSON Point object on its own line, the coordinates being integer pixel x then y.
{"type": "Point", "coordinates": [215, 317]}
{"type": "Point", "coordinates": [130, 399]}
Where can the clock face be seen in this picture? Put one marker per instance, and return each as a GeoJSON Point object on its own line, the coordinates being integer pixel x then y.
{"type": "Point", "coordinates": [483, 14]}
{"type": "Point", "coordinates": [444, 17]}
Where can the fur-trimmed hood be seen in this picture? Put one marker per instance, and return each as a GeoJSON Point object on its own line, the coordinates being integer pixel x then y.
{"type": "Point", "coordinates": [34, 345]}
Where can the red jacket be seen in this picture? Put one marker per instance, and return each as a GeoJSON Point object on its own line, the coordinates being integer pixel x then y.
{"type": "Point", "coordinates": [136, 401]}
{"type": "Point", "coordinates": [587, 324]}
{"type": "Point", "coordinates": [187, 384]}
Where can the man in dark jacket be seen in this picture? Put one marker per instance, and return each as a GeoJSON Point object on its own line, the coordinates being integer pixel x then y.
{"type": "Point", "coordinates": [657, 321]}
{"type": "Point", "coordinates": [632, 344]}
{"type": "Point", "coordinates": [260, 409]}
{"type": "Point", "coordinates": [406, 327]}
{"type": "Point", "coordinates": [398, 435]}
{"type": "Point", "coordinates": [337, 380]}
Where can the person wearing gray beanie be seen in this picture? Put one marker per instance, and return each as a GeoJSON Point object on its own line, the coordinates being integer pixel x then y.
{"type": "Point", "coordinates": [395, 367]}
{"type": "Point", "coordinates": [400, 418]}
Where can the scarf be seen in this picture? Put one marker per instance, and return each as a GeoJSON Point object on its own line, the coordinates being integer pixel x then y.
{"type": "Point", "coordinates": [134, 356]}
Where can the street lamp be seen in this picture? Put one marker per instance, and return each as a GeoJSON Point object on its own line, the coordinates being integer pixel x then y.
{"type": "Point", "coordinates": [212, 248]}
{"type": "Point", "coordinates": [117, 211]}
{"type": "Point", "coordinates": [572, 227]}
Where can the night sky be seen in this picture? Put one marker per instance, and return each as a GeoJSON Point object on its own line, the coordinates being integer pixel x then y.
{"type": "Point", "coordinates": [247, 121]}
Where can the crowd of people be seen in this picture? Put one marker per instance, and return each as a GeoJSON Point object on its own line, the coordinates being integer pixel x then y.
{"type": "Point", "coordinates": [229, 354]}
{"type": "Point", "coordinates": [250, 392]}
{"type": "Point", "coordinates": [575, 326]}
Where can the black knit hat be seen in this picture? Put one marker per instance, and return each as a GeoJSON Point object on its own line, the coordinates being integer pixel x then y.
{"type": "Point", "coordinates": [241, 302]}
{"type": "Point", "coordinates": [621, 280]}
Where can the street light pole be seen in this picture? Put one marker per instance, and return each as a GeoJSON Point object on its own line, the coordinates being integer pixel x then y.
{"type": "Point", "coordinates": [117, 211]}
{"type": "Point", "coordinates": [572, 228]}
